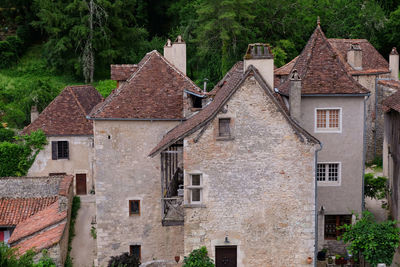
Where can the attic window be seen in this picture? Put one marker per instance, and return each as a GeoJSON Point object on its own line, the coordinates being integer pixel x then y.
{"type": "Point", "coordinates": [224, 127]}
{"type": "Point", "coordinates": [196, 101]}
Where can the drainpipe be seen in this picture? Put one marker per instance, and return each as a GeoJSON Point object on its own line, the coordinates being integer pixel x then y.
{"type": "Point", "coordinates": [316, 204]}
{"type": "Point", "coordinates": [364, 150]}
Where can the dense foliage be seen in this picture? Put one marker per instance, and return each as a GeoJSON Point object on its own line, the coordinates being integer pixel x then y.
{"type": "Point", "coordinates": [17, 155]}
{"type": "Point", "coordinates": [9, 257]}
{"type": "Point", "coordinates": [375, 187]}
{"type": "Point", "coordinates": [376, 242]}
{"type": "Point", "coordinates": [124, 260]}
{"type": "Point", "coordinates": [198, 258]}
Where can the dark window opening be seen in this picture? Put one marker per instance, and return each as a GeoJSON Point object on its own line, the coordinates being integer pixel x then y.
{"type": "Point", "coordinates": [57, 173]}
{"type": "Point", "coordinates": [197, 102]}
{"type": "Point", "coordinates": [135, 250]}
{"type": "Point", "coordinates": [60, 150]}
{"type": "Point", "coordinates": [134, 207]}
{"type": "Point", "coordinates": [332, 222]}
{"type": "Point", "coordinates": [224, 127]}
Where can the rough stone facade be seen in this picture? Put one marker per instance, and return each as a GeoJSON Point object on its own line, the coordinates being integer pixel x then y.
{"type": "Point", "coordinates": [26, 187]}
{"type": "Point", "coordinates": [258, 187]}
{"type": "Point", "coordinates": [124, 172]}
{"type": "Point", "coordinates": [80, 160]}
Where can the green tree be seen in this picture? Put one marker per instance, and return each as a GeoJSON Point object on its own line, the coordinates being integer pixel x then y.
{"type": "Point", "coordinates": [376, 242]}
{"type": "Point", "coordinates": [375, 187]}
{"type": "Point", "coordinates": [9, 258]}
{"type": "Point", "coordinates": [198, 258]}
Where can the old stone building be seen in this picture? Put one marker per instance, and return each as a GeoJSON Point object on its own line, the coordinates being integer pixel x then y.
{"type": "Point", "coordinates": [70, 137]}
{"type": "Point", "coordinates": [35, 214]}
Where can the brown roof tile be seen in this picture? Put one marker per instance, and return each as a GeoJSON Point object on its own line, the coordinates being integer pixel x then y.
{"type": "Point", "coordinates": [43, 240]}
{"type": "Point", "coordinates": [65, 185]}
{"type": "Point", "coordinates": [392, 102]}
{"type": "Point", "coordinates": [122, 72]}
{"type": "Point", "coordinates": [66, 114]}
{"type": "Point", "coordinates": [285, 69]}
{"type": "Point", "coordinates": [390, 83]}
{"type": "Point", "coordinates": [154, 91]}
{"type": "Point", "coordinates": [39, 221]}
{"type": "Point", "coordinates": [231, 82]}
{"type": "Point", "coordinates": [15, 210]}
{"type": "Point", "coordinates": [321, 70]}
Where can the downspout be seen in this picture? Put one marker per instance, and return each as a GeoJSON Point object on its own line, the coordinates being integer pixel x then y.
{"type": "Point", "coordinates": [364, 150]}
{"type": "Point", "coordinates": [376, 109]}
{"type": "Point", "coordinates": [316, 204]}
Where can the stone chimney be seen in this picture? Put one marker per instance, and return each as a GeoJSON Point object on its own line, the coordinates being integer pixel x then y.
{"type": "Point", "coordinates": [295, 96]}
{"type": "Point", "coordinates": [394, 64]}
{"type": "Point", "coordinates": [34, 113]}
{"type": "Point", "coordinates": [259, 55]}
{"type": "Point", "coordinates": [176, 53]}
{"type": "Point", "coordinates": [354, 56]}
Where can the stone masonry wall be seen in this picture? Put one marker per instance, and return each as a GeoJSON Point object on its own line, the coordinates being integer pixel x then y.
{"type": "Point", "coordinates": [124, 172]}
{"type": "Point", "coordinates": [258, 188]}
{"type": "Point", "coordinates": [25, 187]}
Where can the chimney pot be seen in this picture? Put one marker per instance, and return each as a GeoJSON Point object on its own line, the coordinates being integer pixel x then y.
{"type": "Point", "coordinates": [34, 113]}
{"type": "Point", "coordinates": [295, 96]}
{"type": "Point", "coordinates": [354, 56]}
{"type": "Point", "coordinates": [259, 56]}
{"type": "Point", "coordinates": [176, 53]}
{"type": "Point", "coordinates": [394, 64]}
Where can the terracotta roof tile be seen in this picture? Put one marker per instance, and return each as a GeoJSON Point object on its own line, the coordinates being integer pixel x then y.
{"type": "Point", "coordinates": [122, 72]}
{"type": "Point", "coordinates": [154, 91]}
{"type": "Point", "coordinates": [43, 240]}
{"type": "Point", "coordinates": [39, 221]}
{"type": "Point", "coordinates": [66, 114]}
{"type": "Point", "coordinates": [321, 70]}
{"type": "Point", "coordinates": [16, 210]}
{"type": "Point", "coordinates": [392, 102]}
{"type": "Point", "coordinates": [285, 69]}
{"type": "Point", "coordinates": [65, 185]}
{"type": "Point", "coordinates": [390, 83]}
{"type": "Point", "coordinates": [231, 82]}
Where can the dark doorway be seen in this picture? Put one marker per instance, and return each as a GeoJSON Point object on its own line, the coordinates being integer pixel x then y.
{"type": "Point", "coordinates": [81, 184]}
{"type": "Point", "coordinates": [226, 256]}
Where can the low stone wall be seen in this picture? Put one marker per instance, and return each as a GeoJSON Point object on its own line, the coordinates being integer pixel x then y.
{"type": "Point", "coordinates": [26, 187]}
{"type": "Point", "coordinates": [160, 263]}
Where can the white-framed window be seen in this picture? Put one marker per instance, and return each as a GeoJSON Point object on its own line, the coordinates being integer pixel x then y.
{"type": "Point", "coordinates": [329, 173]}
{"type": "Point", "coordinates": [195, 188]}
{"type": "Point", "coordinates": [328, 120]}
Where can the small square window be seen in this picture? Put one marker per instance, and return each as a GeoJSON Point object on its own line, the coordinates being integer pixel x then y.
{"type": "Point", "coordinates": [134, 207]}
{"type": "Point", "coordinates": [135, 250]}
{"type": "Point", "coordinates": [332, 222]}
{"type": "Point", "coordinates": [224, 127]}
{"type": "Point", "coordinates": [328, 173]}
{"type": "Point", "coordinates": [59, 150]}
{"type": "Point", "coordinates": [328, 120]}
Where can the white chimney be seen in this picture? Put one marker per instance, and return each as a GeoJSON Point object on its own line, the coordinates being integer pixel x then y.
{"type": "Point", "coordinates": [176, 53]}
{"type": "Point", "coordinates": [259, 55]}
{"type": "Point", "coordinates": [394, 64]}
{"type": "Point", "coordinates": [354, 56]}
{"type": "Point", "coordinates": [34, 113]}
{"type": "Point", "coordinates": [295, 96]}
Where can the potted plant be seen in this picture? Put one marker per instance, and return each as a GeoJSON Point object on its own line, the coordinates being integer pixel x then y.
{"type": "Point", "coordinates": [340, 259]}
{"type": "Point", "coordinates": [330, 259]}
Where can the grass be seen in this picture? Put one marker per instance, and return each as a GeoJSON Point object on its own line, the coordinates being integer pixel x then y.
{"type": "Point", "coordinates": [76, 204]}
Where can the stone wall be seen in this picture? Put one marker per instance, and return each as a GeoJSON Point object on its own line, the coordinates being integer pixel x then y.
{"type": "Point", "coordinates": [26, 187]}
{"type": "Point", "coordinates": [258, 187]}
{"type": "Point", "coordinates": [124, 172]}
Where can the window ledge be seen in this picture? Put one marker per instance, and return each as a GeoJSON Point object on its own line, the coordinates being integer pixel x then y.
{"type": "Point", "coordinates": [188, 205]}
{"type": "Point", "coordinates": [225, 138]}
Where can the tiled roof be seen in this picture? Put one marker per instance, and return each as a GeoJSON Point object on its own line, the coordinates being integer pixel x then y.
{"type": "Point", "coordinates": [285, 69]}
{"type": "Point", "coordinates": [372, 60]}
{"type": "Point", "coordinates": [230, 83]}
{"type": "Point", "coordinates": [154, 91]}
{"type": "Point", "coordinates": [321, 70]}
{"type": "Point", "coordinates": [46, 239]}
{"type": "Point", "coordinates": [39, 221]}
{"type": "Point", "coordinates": [390, 83]}
{"type": "Point", "coordinates": [16, 210]}
{"type": "Point", "coordinates": [66, 114]}
{"type": "Point", "coordinates": [122, 72]}
{"type": "Point", "coordinates": [392, 102]}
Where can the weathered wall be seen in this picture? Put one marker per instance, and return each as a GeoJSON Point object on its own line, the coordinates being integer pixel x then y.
{"type": "Point", "coordinates": [124, 172]}
{"type": "Point", "coordinates": [258, 189]}
{"type": "Point", "coordinates": [345, 147]}
{"type": "Point", "coordinates": [25, 187]}
{"type": "Point", "coordinates": [80, 159]}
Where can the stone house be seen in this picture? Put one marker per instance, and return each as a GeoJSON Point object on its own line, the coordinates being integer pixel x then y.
{"type": "Point", "coordinates": [331, 106]}
{"type": "Point", "coordinates": [70, 137]}
{"type": "Point", "coordinates": [35, 214]}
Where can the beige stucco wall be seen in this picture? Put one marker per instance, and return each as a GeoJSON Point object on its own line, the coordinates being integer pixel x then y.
{"type": "Point", "coordinates": [346, 148]}
{"type": "Point", "coordinates": [258, 189]}
{"type": "Point", "coordinates": [80, 159]}
{"type": "Point", "coordinates": [124, 172]}
{"type": "Point", "coordinates": [265, 66]}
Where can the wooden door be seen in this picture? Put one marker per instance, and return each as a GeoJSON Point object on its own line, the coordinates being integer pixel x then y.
{"type": "Point", "coordinates": [81, 184]}
{"type": "Point", "coordinates": [226, 256]}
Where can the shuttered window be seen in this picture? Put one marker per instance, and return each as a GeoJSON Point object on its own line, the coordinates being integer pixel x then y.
{"type": "Point", "coordinates": [224, 127]}
{"type": "Point", "coordinates": [135, 250]}
{"type": "Point", "coordinates": [59, 150]}
{"type": "Point", "coordinates": [332, 222]}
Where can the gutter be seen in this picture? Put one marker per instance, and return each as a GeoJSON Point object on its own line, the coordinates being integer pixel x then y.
{"type": "Point", "coordinates": [132, 119]}
{"type": "Point", "coordinates": [329, 95]}
{"type": "Point", "coordinates": [316, 204]}
{"type": "Point", "coordinates": [192, 93]}
{"type": "Point", "coordinates": [364, 150]}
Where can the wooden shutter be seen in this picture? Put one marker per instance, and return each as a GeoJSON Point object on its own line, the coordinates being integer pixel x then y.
{"type": "Point", "coordinates": [67, 149]}
{"type": "Point", "coordinates": [54, 152]}
{"type": "Point", "coordinates": [224, 127]}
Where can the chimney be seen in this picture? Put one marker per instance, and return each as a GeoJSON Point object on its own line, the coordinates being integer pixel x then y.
{"type": "Point", "coordinates": [295, 96]}
{"type": "Point", "coordinates": [259, 55]}
{"type": "Point", "coordinates": [354, 56]}
{"type": "Point", "coordinates": [176, 53]}
{"type": "Point", "coordinates": [394, 64]}
{"type": "Point", "coordinates": [34, 113]}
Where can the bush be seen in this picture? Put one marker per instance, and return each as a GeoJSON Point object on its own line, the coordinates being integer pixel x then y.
{"type": "Point", "coordinates": [124, 260]}
{"type": "Point", "coordinates": [198, 258]}
{"type": "Point", "coordinates": [375, 187]}
{"type": "Point", "coordinates": [6, 135]}
{"type": "Point", "coordinates": [10, 258]}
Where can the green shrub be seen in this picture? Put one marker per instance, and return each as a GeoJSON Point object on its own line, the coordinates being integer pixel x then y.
{"type": "Point", "coordinates": [6, 135]}
{"type": "Point", "coordinates": [375, 187]}
{"type": "Point", "coordinates": [10, 258]}
{"type": "Point", "coordinates": [198, 258]}
{"type": "Point", "coordinates": [124, 260]}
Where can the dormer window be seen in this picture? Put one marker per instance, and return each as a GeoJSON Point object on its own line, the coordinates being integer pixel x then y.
{"type": "Point", "coordinates": [196, 101]}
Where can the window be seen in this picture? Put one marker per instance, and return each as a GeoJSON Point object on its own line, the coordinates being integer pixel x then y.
{"type": "Point", "coordinates": [328, 120]}
{"type": "Point", "coordinates": [332, 222]}
{"type": "Point", "coordinates": [134, 207]}
{"type": "Point", "coordinates": [197, 102]}
{"type": "Point", "coordinates": [59, 150]}
{"type": "Point", "coordinates": [328, 173]}
{"type": "Point", "coordinates": [135, 250]}
{"type": "Point", "coordinates": [195, 188]}
{"type": "Point", "coordinates": [224, 127]}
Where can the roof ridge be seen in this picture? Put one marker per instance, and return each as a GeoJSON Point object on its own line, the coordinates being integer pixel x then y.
{"type": "Point", "coordinates": [77, 101]}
